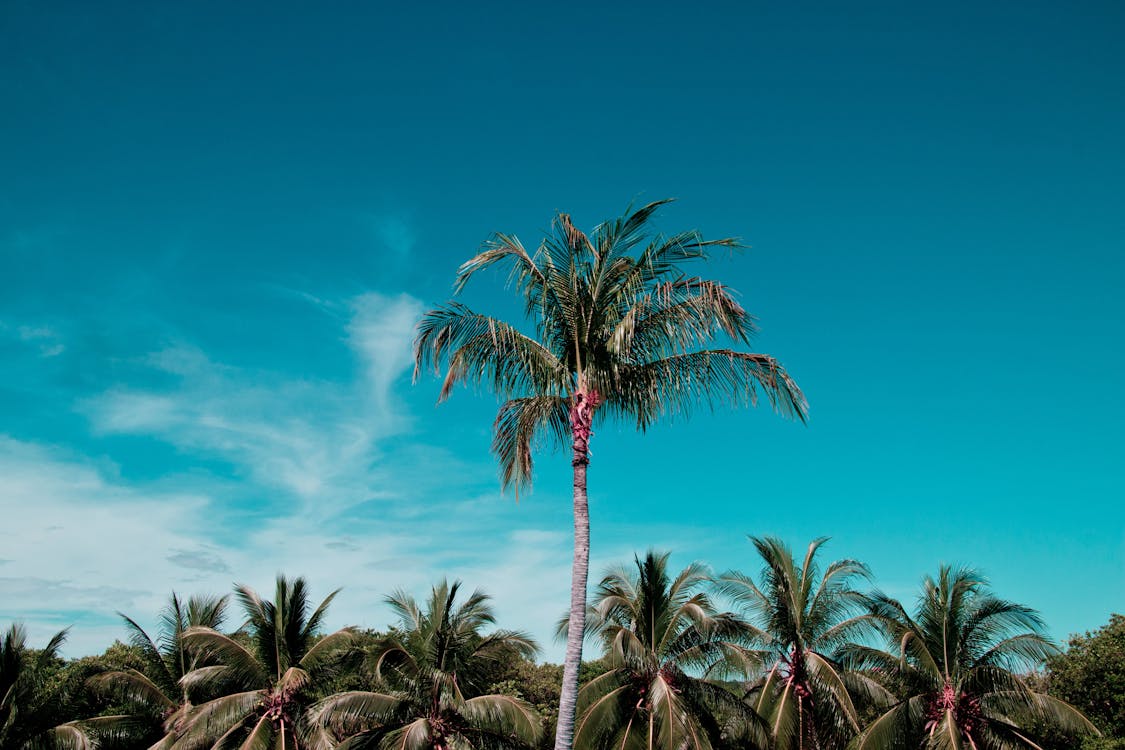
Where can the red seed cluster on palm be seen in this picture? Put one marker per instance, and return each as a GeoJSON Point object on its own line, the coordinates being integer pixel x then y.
{"type": "Point", "coordinates": [277, 706]}
{"type": "Point", "coordinates": [964, 708]}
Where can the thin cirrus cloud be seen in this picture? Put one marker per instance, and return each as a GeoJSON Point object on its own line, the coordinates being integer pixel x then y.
{"type": "Point", "coordinates": [312, 440]}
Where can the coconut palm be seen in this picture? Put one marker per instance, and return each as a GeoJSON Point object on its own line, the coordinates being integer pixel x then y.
{"type": "Point", "coordinates": [619, 332]}
{"type": "Point", "coordinates": [958, 664]}
{"type": "Point", "coordinates": [431, 674]}
{"type": "Point", "coordinates": [266, 684]}
{"type": "Point", "coordinates": [29, 708]}
{"type": "Point", "coordinates": [803, 618]}
{"type": "Point", "coordinates": [157, 692]}
{"type": "Point", "coordinates": [663, 641]}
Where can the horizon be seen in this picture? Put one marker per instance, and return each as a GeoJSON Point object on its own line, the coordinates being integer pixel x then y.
{"type": "Point", "coordinates": [220, 225]}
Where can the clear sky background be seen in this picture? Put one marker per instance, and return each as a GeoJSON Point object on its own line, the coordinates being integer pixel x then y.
{"type": "Point", "coordinates": [219, 223]}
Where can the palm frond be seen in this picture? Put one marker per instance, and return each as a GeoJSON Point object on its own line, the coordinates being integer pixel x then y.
{"type": "Point", "coordinates": [240, 664]}
{"type": "Point", "coordinates": [518, 423]}
{"type": "Point", "coordinates": [504, 714]}
{"type": "Point", "coordinates": [673, 385]}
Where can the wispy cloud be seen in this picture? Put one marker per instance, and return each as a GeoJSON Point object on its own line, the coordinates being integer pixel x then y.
{"type": "Point", "coordinates": [44, 339]}
{"type": "Point", "coordinates": [81, 543]}
{"type": "Point", "coordinates": [314, 440]}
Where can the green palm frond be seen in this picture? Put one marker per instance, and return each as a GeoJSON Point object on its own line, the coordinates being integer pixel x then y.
{"type": "Point", "coordinates": [481, 349]}
{"type": "Point", "coordinates": [131, 686]}
{"type": "Point", "coordinates": [209, 722]}
{"type": "Point", "coordinates": [328, 648]}
{"type": "Point", "coordinates": [355, 711]}
{"type": "Point", "coordinates": [237, 662]}
{"type": "Point", "coordinates": [503, 714]}
{"type": "Point", "coordinates": [717, 377]}
{"type": "Point", "coordinates": [518, 422]}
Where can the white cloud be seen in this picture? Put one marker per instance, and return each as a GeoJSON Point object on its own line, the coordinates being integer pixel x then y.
{"type": "Point", "coordinates": [312, 494]}
{"type": "Point", "coordinates": [44, 339]}
{"type": "Point", "coordinates": [314, 440]}
{"type": "Point", "coordinates": [81, 543]}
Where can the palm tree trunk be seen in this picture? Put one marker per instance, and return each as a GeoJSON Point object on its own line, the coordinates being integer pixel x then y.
{"type": "Point", "coordinates": [581, 419]}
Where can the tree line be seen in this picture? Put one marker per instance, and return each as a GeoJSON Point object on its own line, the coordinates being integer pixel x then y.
{"type": "Point", "coordinates": [804, 654]}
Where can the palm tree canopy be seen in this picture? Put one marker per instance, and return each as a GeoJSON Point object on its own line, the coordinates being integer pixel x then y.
{"type": "Point", "coordinates": [267, 684]}
{"type": "Point", "coordinates": [958, 663]}
{"type": "Point", "coordinates": [619, 326]}
{"type": "Point", "coordinates": [166, 656]}
{"type": "Point", "coordinates": [804, 616]}
{"type": "Point", "coordinates": [157, 699]}
{"type": "Point", "coordinates": [661, 638]}
{"type": "Point", "coordinates": [432, 672]}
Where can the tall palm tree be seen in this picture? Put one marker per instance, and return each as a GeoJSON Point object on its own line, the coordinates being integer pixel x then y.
{"type": "Point", "coordinates": [620, 331]}
{"type": "Point", "coordinates": [157, 691]}
{"type": "Point", "coordinates": [662, 640]}
{"type": "Point", "coordinates": [958, 664]}
{"type": "Point", "coordinates": [432, 672]}
{"type": "Point", "coordinates": [804, 617]}
{"type": "Point", "coordinates": [268, 684]}
{"type": "Point", "coordinates": [29, 709]}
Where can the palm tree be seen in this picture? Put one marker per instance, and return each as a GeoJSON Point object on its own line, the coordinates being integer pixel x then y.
{"type": "Point", "coordinates": [268, 684]}
{"type": "Point", "coordinates": [662, 640]}
{"type": "Point", "coordinates": [29, 708]}
{"type": "Point", "coordinates": [433, 671]}
{"type": "Point", "coordinates": [157, 691]}
{"type": "Point", "coordinates": [803, 618]}
{"type": "Point", "coordinates": [958, 664]}
{"type": "Point", "coordinates": [619, 331]}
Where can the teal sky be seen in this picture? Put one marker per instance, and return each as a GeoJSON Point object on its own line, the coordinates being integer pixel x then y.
{"type": "Point", "coordinates": [220, 222]}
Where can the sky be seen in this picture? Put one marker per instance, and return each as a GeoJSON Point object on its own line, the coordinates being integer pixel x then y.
{"type": "Point", "coordinates": [220, 223]}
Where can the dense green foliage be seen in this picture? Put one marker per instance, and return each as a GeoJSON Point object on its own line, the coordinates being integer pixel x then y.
{"type": "Point", "coordinates": [1090, 675]}
{"type": "Point", "coordinates": [791, 666]}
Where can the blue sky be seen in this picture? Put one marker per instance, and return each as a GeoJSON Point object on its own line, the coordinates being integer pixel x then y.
{"type": "Point", "coordinates": [219, 224]}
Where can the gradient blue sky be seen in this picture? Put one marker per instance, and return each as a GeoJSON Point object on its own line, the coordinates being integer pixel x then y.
{"type": "Point", "coordinates": [219, 223]}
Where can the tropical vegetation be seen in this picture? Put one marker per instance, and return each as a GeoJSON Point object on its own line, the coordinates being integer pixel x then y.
{"type": "Point", "coordinates": [31, 704]}
{"type": "Point", "coordinates": [795, 663]}
{"type": "Point", "coordinates": [434, 669]}
{"type": "Point", "coordinates": [156, 691]}
{"type": "Point", "coordinates": [803, 617]}
{"type": "Point", "coordinates": [265, 681]}
{"type": "Point", "coordinates": [666, 649]}
{"type": "Point", "coordinates": [957, 667]}
{"type": "Point", "coordinates": [620, 330]}
{"type": "Point", "coordinates": [1090, 675]}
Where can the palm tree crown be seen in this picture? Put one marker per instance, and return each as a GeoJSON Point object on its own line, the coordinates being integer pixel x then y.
{"type": "Point", "coordinates": [958, 664]}
{"type": "Point", "coordinates": [157, 691]}
{"type": "Point", "coordinates": [620, 330]}
{"type": "Point", "coordinates": [661, 638]}
{"type": "Point", "coordinates": [804, 617]}
{"type": "Point", "coordinates": [432, 672]}
{"type": "Point", "coordinates": [268, 684]}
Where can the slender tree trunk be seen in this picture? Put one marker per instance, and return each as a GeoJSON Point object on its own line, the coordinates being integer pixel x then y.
{"type": "Point", "coordinates": [581, 415]}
